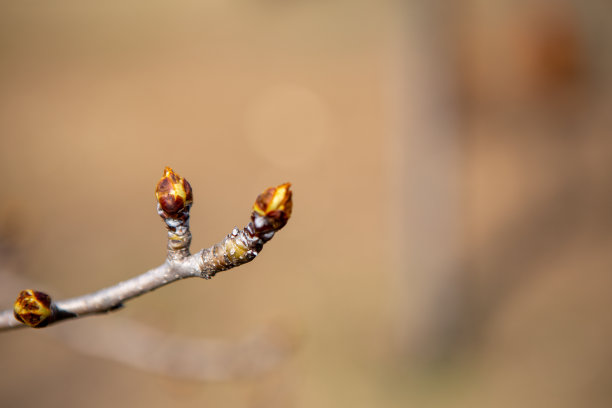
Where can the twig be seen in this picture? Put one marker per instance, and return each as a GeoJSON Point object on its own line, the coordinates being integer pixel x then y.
{"type": "Point", "coordinates": [146, 348]}
{"type": "Point", "coordinates": [271, 212]}
{"type": "Point", "coordinates": [134, 344]}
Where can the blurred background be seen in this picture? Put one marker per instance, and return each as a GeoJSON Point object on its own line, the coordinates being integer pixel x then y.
{"type": "Point", "coordinates": [451, 239]}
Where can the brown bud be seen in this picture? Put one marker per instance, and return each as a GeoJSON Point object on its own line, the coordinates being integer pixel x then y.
{"type": "Point", "coordinates": [173, 193]}
{"type": "Point", "coordinates": [275, 205]}
{"type": "Point", "coordinates": [33, 308]}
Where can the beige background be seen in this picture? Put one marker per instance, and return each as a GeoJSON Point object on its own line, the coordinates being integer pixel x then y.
{"type": "Point", "coordinates": [450, 242]}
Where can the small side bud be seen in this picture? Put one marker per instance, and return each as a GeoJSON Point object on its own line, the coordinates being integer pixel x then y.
{"type": "Point", "coordinates": [275, 205]}
{"type": "Point", "coordinates": [33, 308]}
{"type": "Point", "coordinates": [173, 193]}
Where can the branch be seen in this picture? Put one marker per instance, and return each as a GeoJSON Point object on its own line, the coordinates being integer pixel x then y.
{"type": "Point", "coordinates": [146, 348]}
{"type": "Point", "coordinates": [271, 212]}
{"type": "Point", "coordinates": [131, 343]}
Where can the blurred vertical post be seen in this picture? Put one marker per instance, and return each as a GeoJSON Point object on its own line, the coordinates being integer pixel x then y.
{"type": "Point", "coordinates": [424, 159]}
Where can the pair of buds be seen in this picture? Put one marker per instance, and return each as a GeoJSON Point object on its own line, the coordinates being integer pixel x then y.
{"type": "Point", "coordinates": [175, 196]}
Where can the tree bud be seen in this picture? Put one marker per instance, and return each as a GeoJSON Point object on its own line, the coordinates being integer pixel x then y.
{"type": "Point", "coordinates": [173, 193]}
{"type": "Point", "coordinates": [275, 205]}
{"type": "Point", "coordinates": [33, 308]}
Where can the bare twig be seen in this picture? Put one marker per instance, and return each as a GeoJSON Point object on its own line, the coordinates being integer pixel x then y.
{"type": "Point", "coordinates": [134, 344]}
{"type": "Point", "coordinates": [271, 212]}
{"type": "Point", "coordinates": [146, 348]}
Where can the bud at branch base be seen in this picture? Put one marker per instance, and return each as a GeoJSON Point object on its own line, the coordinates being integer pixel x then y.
{"type": "Point", "coordinates": [32, 308]}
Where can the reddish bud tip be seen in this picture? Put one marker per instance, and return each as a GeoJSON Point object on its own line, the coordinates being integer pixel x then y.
{"type": "Point", "coordinates": [173, 193]}
{"type": "Point", "coordinates": [275, 204]}
{"type": "Point", "coordinates": [32, 308]}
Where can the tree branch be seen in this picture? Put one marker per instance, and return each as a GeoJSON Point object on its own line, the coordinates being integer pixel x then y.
{"type": "Point", "coordinates": [146, 348]}
{"type": "Point", "coordinates": [271, 212]}
{"type": "Point", "coordinates": [134, 344]}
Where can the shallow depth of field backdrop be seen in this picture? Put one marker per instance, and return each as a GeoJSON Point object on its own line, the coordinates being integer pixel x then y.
{"type": "Point", "coordinates": [451, 243]}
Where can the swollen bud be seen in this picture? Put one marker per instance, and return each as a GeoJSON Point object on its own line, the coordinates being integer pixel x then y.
{"type": "Point", "coordinates": [173, 194]}
{"type": "Point", "coordinates": [33, 308]}
{"type": "Point", "coordinates": [275, 205]}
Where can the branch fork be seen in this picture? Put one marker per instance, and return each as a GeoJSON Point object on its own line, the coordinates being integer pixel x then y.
{"type": "Point", "coordinates": [271, 212]}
